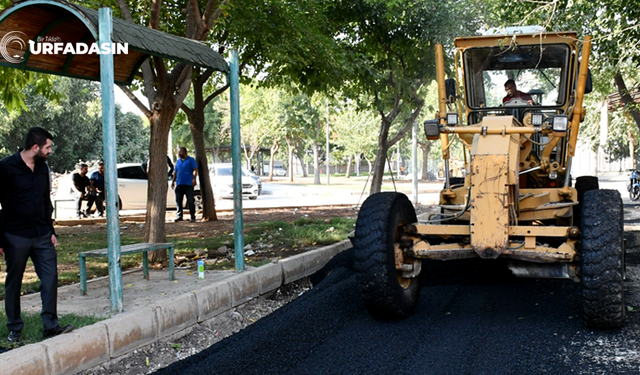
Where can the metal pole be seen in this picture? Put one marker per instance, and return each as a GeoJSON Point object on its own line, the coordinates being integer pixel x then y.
{"type": "Point", "coordinates": [328, 152]}
{"type": "Point", "coordinates": [110, 160]}
{"type": "Point", "coordinates": [236, 159]}
{"type": "Point", "coordinates": [414, 162]}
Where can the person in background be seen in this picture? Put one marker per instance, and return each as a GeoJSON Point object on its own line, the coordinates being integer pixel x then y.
{"type": "Point", "coordinates": [184, 179]}
{"type": "Point", "coordinates": [27, 231]}
{"type": "Point", "coordinates": [97, 189]}
{"type": "Point", "coordinates": [82, 186]}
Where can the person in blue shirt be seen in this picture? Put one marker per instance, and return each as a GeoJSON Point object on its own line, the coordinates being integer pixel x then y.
{"type": "Point", "coordinates": [184, 179]}
{"type": "Point", "coordinates": [97, 189]}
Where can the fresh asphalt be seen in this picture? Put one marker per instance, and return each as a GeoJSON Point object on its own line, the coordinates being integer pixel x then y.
{"type": "Point", "coordinates": [473, 318]}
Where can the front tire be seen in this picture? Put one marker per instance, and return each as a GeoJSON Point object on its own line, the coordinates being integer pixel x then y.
{"type": "Point", "coordinates": [385, 292]}
{"type": "Point", "coordinates": [602, 259]}
{"type": "Point", "coordinates": [634, 194]}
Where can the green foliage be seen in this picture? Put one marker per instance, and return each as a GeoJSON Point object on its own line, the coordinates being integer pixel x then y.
{"type": "Point", "coordinates": [75, 120]}
{"type": "Point", "coordinates": [615, 30]}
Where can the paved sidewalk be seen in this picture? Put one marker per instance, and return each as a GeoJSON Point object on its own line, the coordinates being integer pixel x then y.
{"type": "Point", "coordinates": [137, 292]}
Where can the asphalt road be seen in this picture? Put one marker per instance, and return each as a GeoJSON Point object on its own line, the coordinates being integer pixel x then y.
{"type": "Point", "coordinates": [473, 318]}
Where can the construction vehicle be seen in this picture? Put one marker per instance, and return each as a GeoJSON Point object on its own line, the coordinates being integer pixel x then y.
{"type": "Point", "coordinates": [518, 201]}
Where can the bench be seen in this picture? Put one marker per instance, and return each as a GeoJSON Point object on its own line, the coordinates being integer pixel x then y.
{"type": "Point", "coordinates": [143, 248]}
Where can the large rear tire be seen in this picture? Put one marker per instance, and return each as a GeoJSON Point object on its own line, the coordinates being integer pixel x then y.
{"type": "Point", "coordinates": [602, 259]}
{"type": "Point", "coordinates": [381, 221]}
{"type": "Point", "coordinates": [583, 184]}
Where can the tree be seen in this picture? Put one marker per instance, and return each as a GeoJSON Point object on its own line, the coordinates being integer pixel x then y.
{"type": "Point", "coordinates": [75, 121]}
{"type": "Point", "coordinates": [357, 128]}
{"type": "Point", "coordinates": [614, 26]}
{"type": "Point", "coordinates": [390, 47]}
{"type": "Point", "coordinates": [166, 85]}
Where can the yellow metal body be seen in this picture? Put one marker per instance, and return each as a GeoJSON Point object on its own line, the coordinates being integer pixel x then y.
{"type": "Point", "coordinates": [509, 206]}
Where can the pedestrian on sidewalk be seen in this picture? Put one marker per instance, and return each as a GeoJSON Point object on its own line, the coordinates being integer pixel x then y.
{"type": "Point", "coordinates": [184, 179]}
{"type": "Point", "coordinates": [27, 231]}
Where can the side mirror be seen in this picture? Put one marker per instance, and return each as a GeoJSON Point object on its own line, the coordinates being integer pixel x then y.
{"type": "Point", "coordinates": [588, 87]}
{"type": "Point", "coordinates": [432, 129]}
{"type": "Point", "coordinates": [450, 89]}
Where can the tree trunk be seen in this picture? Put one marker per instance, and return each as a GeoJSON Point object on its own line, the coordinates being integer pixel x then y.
{"type": "Point", "coordinates": [196, 124]}
{"type": "Point", "coordinates": [316, 163]}
{"type": "Point", "coordinates": [357, 160]}
{"type": "Point", "coordinates": [425, 147]}
{"type": "Point", "coordinates": [348, 173]}
{"type": "Point", "coordinates": [303, 165]}
{"type": "Point", "coordinates": [626, 97]}
{"type": "Point", "coordinates": [291, 149]}
{"type": "Point", "coordinates": [381, 156]}
{"type": "Point", "coordinates": [154, 230]}
{"type": "Point", "coordinates": [274, 148]}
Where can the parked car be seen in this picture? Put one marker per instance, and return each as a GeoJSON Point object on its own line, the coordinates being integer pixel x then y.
{"type": "Point", "coordinates": [255, 177]}
{"type": "Point", "coordinates": [222, 182]}
{"type": "Point", "coordinates": [278, 170]}
{"type": "Point", "coordinates": [132, 188]}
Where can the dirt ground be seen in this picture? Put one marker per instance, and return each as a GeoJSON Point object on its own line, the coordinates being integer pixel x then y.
{"type": "Point", "coordinates": [224, 226]}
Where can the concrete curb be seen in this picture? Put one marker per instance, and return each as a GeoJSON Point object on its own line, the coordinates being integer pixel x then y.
{"type": "Point", "coordinates": [117, 336]}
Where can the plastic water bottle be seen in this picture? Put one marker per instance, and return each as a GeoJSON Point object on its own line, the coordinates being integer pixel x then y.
{"type": "Point", "coordinates": [200, 269]}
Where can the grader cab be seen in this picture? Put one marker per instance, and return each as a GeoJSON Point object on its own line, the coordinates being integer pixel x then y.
{"type": "Point", "coordinates": [518, 201]}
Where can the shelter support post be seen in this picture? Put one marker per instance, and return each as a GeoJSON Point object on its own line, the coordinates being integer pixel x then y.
{"type": "Point", "coordinates": [236, 155]}
{"type": "Point", "coordinates": [110, 160]}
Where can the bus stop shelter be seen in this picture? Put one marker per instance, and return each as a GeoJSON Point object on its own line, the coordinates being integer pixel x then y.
{"type": "Point", "coordinates": [50, 22]}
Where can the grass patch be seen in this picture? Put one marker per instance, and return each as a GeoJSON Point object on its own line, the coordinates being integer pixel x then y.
{"type": "Point", "coordinates": [32, 331]}
{"type": "Point", "coordinates": [278, 234]}
{"type": "Point", "coordinates": [281, 234]}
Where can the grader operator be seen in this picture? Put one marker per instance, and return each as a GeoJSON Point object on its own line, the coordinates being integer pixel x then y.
{"type": "Point", "coordinates": [518, 201]}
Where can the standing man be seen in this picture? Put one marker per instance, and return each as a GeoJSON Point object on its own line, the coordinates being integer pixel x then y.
{"type": "Point", "coordinates": [184, 179]}
{"type": "Point", "coordinates": [27, 231]}
{"type": "Point", "coordinates": [82, 186]}
{"type": "Point", "coordinates": [97, 188]}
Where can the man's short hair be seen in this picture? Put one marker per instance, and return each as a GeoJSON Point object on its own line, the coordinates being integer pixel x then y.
{"type": "Point", "coordinates": [36, 136]}
{"type": "Point", "coordinates": [183, 149]}
{"type": "Point", "coordinates": [83, 165]}
{"type": "Point", "coordinates": [100, 164]}
{"type": "Point", "coordinates": [509, 81]}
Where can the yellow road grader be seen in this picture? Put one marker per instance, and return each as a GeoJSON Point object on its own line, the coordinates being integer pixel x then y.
{"type": "Point", "coordinates": [518, 201]}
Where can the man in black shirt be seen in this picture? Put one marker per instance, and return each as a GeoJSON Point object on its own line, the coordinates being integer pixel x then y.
{"type": "Point", "coordinates": [82, 186]}
{"type": "Point", "coordinates": [27, 231]}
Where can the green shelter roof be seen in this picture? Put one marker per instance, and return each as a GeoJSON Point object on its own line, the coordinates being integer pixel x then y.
{"type": "Point", "coordinates": [55, 21]}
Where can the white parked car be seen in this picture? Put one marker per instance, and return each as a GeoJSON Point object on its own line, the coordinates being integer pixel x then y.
{"type": "Point", "coordinates": [222, 182]}
{"type": "Point", "coordinates": [132, 188]}
{"type": "Point", "coordinates": [278, 170]}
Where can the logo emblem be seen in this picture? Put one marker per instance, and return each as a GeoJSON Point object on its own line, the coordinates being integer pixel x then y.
{"type": "Point", "coordinates": [12, 39]}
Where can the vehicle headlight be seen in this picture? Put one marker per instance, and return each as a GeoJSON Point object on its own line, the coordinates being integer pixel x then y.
{"type": "Point", "coordinates": [537, 119]}
{"type": "Point", "coordinates": [452, 119]}
{"type": "Point", "coordinates": [560, 123]}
